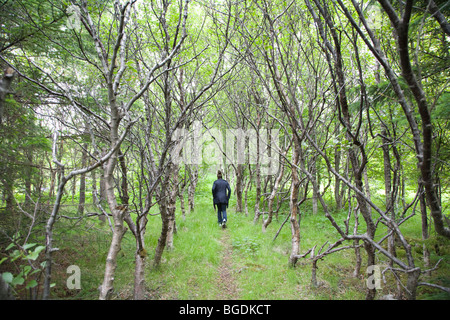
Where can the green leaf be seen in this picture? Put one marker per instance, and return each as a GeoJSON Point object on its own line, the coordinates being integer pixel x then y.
{"type": "Point", "coordinates": [7, 277]}
{"type": "Point", "coordinates": [18, 280]}
{"type": "Point", "coordinates": [29, 245]}
{"type": "Point", "coordinates": [35, 254]}
{"type": "Point", "coordinates": [31, 284]}
{"type": "Point", "coordinates": [10, 246]}
{"type": "Point", "coordinates": [32, 256]}
{"type": "Point", "coordinates": [26, 270]}
{"type": "Point", "coordinates": [34, 271]}
{"type": "Point", "coordinates": [15, 255]}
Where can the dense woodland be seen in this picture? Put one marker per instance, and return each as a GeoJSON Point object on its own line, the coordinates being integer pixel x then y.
{"type": "Point", "coordinates": [115, 116]}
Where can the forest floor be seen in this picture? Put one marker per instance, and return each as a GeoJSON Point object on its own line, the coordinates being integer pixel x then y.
{"type": "Point", "coordinates": [226, 283]}
{"type": "Point", "coordinates": [239, 262]}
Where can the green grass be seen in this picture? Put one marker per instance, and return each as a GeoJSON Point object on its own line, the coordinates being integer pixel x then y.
{"type": "Point", "coordinates": [259, 265]}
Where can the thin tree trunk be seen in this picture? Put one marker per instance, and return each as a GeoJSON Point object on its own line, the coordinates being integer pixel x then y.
{"type": "Point", "coordinates": [5, 84]}
{"type": "Point", "coordinates": [171, 206]}
{"type": "Point", "coordinates": [94, 186]}
{"type": "Point", "coordinates": [314, 283]}
{"type": "Point", "coordinates": [192, 186]}
{"type": "Point", "coordinates": [29, 156]}
{"type": "Point", "coordinates": [423, 212]}
{"type": "Point", "coordinates": [388, 189]}
{"type": "Point", "coordinates": [181, 197]}
{"type": "Point", "coordinates": [258, 180]}
{"type": "Point", "coordinates": [163, 236]}
{"type": "Point", "coordinates": [49, 239]}
{"type": "Point", "coordinates": [82, 200]}
{"type": "Point", "coordinates": [272, 198]}
{"type": "Point", "coordinates": [239, 186]}
{"type": "Point", "coordinates": [118, 214]}
{"type": "Point", "coordinates": [164, 212]}
{"type": "Point", "coordinates": [107, 288]}
{"type": "Point", "coordinates": [293, 199]}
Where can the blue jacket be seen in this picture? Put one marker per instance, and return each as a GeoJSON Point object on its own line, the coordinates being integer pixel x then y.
{"type": "Point", "coordinates": [219, 191]}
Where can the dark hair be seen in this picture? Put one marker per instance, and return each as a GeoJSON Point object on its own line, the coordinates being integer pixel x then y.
{"type": "Point", "coordinates": [219, 174]}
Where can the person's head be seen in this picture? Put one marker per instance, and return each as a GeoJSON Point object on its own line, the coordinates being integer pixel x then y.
{"type": "Point", "coordinates": [219, 174]}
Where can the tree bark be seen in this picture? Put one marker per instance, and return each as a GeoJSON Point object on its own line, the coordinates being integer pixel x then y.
{"type": "Point", "coordinates": [293, 206]}
{"type": "Point", "coordinates": [258, 177]}
{"type": "Point", "coordinates": [193, 174]}
{"type": "Point", "coordinates": [239, 186]}
{"type": "Point", "coordinates": [82, 190]}
{"type": "Point", "coordinates": [139, 276]}
{"type": "Point", "coordinates": [388, 188]}
{"type": "Point", "coordinates": [49, 249]}
{"type": "Point", "coordinates": [165, 219]}
{"type": "Point", "coordinates": [272, 198]}
{"type": "Point", "coordinates": [440, 18]}
{"type": "Point", "coordinates": [171, 206]}
{"type": "Point", "coordinates": [423, 213]}
{"type": "Point", "coordinates": [5, 84]}
{"type": "Point", "coordinates": [107, 287]}
{"type": "Point", "coordinates": [118, 214]}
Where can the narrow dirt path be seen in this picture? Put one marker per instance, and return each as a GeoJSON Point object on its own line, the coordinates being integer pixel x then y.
{"type": "Point", "coordinates": [226, 284]}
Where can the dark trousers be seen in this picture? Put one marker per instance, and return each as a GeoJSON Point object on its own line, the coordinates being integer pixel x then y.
{"type": "Point", "coordinates": [221, 212]}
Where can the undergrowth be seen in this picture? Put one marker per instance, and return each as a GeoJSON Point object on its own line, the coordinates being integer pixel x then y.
{"type": "Point", "coordinates": [259, 268]}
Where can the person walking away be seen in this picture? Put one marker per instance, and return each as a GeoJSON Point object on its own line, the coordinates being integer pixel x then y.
{"type": "Point", "coordinates": [221, 192]}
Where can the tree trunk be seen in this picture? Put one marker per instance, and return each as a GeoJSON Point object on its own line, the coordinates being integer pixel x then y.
{"type": "Point", "coordinates": [357, 269]}
{"type": "Point", "coordinates": [163, 236]}
{"type": "Point", "coordinates": [293, 199]}
{"type": "Point", "coordinates": [165, 219]}
{"type": "Point", "coordinates": [192, 185]}
{"type": "Point", "coordinates": [272, 198]}
{"type": "Point", "coordinates": [117, 212]}
{"type": "Point", "coordinates": [337, 165]}
{"type": "Point", "coordinates": [82, 200]}
{"type": "Point", "coordinates": [107, 288]}
{"type": "Point", "coordinates": [94, 186]}
{"type": "Point", "coordinates": [103, 184]}
{"type": "Point", "coordinates": [28, 173]}
{"type": "Point", "coordinates": [5, 84]}
{"type": "Point", "coordinates": [388, 189]}
{"type": "Point", "coordinates": [180, 192]}
{"type": "Point", "coordinates": [314, 283]}
{"type": "Point", "coordinates": [411, 283]}
{"type": "Point", "coordinates": [49, 238]}
{"type": "Point", "coordinates": [171, 206]}
{"type": "Point", "coordinates": [139, 276]}
{"type": "Point", "coordinates": [239, 186]}
{"type": "Point", "coordinates": [337, 181]}
{"type": "Point", "coordinates": [423, 212]}
{"type": "Point", "coordinates": [258, 180]}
